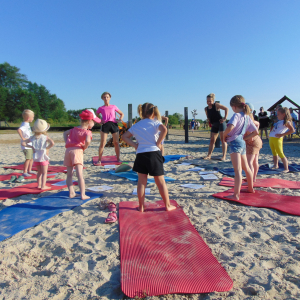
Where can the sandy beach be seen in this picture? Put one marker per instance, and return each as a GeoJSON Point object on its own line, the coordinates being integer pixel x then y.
{"type": "Point", "coordinates": [74, 255]}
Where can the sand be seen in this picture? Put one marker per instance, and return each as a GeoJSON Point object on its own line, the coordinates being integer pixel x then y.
{"type": "Point", "coordinates": [74, 255]}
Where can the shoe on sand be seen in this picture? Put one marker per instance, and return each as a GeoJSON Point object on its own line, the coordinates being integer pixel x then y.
{"type": "Point", "coordinates": [32, 172]}
{"type": "Point", "coordinates": [19, 179]}
{"type": "Point", "coordinates": [112, 218]}
{"type": "Point", "coordinates": [26, 175]}
{"type": "Point", "coordinates": [12, 179]}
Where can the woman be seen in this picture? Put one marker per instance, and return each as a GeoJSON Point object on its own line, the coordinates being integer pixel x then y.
{"type": "Point", "coordinates": [218, 124]}
{"type": "Point", "coordinates": [263, 122]}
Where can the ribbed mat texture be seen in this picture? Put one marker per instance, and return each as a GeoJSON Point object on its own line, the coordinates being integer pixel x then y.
{"type": "Point", "coordinates": [162, 253]}
{"type": "Point", "coordinates": [106, 160]}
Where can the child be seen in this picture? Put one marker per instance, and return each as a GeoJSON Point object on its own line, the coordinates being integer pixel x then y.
{"type": "Point", "coordinates": [109, 124]}
{"type": "Point", "coordinates": [25, 133]}
{"type": "Point", "coordinates": [39, 145]}
{"type": "Point", "coordinates": [77, 140]}
{"type": "Point", "coordinates": [253, 145]}
{"type": "Point", "coordinates": [149, 159]}
{"type": "Point", "coordinates": [281, 128]}
{"type": "Point", "coordinates": [234, 133]}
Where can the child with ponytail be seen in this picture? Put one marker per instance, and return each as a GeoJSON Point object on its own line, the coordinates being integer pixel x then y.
{"type": "Point", "coordinates": [234, 136]}
{"type": "Point", "coordinates": [280, 129]}
{"type": "Point", "coordinates": [149, 159]}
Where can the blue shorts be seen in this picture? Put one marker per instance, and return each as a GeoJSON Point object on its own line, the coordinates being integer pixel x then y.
{"type": "Point", "coordinates": [237, 146]}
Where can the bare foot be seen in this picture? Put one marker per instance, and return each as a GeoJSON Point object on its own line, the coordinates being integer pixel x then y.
{"type": "Point", "coordinates": [98, 162]}
{"type": "Point", "coordinates": [285, 171]}
{"type": "Point", "coordinates": [275, 167]}
{"type": "Point", "coordinates": [233, 197]}
{"type": "Point", "coordinates": [251, 191]}
{"type": "Point", "coordinates": [72, 194]}
{"type": "Point", "coordinates": [85, 197]}
{"type": "Point", "coordinates": [254, 179]}
{"type": "Point", "coordinates": [207, 157]}
{"type": "Point", "coordinates": [171, 207]}
{"type": "Point", "coordinates": [141, 209]}
{"type": "Point", "coordinates": [223, 158]}
{"type": "Point", "coordinates": [45, 188]}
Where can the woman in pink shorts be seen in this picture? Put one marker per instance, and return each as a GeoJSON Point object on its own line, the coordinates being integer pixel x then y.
{"type": "Point", "coordinates": [77, 140]}
{"type": "Point", "coordinates": [40, 143]}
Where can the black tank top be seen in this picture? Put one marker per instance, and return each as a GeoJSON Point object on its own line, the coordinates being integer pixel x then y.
{"type": "Point", "coordinates": [213, 115]}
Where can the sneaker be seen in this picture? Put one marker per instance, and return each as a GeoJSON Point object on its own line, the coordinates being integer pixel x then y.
{"type": "Point", "coordinates": [19, 179]}
{"type": "Point", "coordinates": [26, 175]}
{"type": "Point", "coordinates": [32, 172]}
{"type": "Point", "coordinates": [12, 179]}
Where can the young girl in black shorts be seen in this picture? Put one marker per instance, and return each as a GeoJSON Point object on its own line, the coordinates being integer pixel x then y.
{"type": "Point", "coordinates": [149, 159]}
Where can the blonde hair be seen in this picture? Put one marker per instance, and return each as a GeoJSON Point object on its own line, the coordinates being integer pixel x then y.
{"type": "Point", "coordinates": [26, 113]}
{"type": "Point", "coordinates": [239, 101]}
{"type": "Point", "coordinates": [147, 109]}
{"type": "Point", "coordinates": [211, 95]}
{"type": "Point", "coordinates": [105, 93]}
{"type": "Point", "coordinates": [287, 117]}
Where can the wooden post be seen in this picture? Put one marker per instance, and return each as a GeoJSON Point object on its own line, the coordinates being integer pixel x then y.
{"type": "Point", "coordinates": [129, 115]}
{"type": "Point", "coordinates": [186, 125]}
{"type": "Point", "coordinates": [217, 143]}
{"type": "Point", "coordinates": [167, 115]}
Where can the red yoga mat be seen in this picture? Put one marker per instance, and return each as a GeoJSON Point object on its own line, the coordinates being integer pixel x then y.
{"type": "Point", "coordinates": [30, 188]}
{"type": "Point", "coordinates": [106, 160]}
{"type": "Point", "coordinates": [275, 183]}
{"type": "Point", "coordinates": [162, 253]}
{"type": "Point", "coordinates": [33, 176]}
{"type": "Point", "coordinates": [56, 169]}
{"type": "Point", "coordinates": [287, 204]}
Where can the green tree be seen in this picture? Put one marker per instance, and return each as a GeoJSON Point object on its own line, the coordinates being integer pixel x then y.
{"type": "Point", "coordinates": [11, 78]}
{"type": "Point", "coordinates": [3, 101]}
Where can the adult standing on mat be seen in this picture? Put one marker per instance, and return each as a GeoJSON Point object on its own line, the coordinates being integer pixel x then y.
{"type": "Point", "coordinates": [218, 124]}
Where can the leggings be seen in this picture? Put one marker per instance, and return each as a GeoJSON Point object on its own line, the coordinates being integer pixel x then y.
{"type": "Point", "coordinates": [276, 145]}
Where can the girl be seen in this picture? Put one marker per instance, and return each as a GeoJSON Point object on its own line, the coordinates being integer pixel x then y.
{"type": "Point", "coordinates": [77, 140]}
{"type": "Point", "coordinates": [149, 159]}
{"type": "Point", "coordinates": [109, 124]}
{"type": "Point", "coordinates": [253, 146]}
{"type": "Point", "coordinates": [40, 144]}
{"type": "Point", "coordinates": [281, 128]}
{"type": "Point", "coordinates": [234, 133]}
{"type": "Point", "coordinates": [218, 124]}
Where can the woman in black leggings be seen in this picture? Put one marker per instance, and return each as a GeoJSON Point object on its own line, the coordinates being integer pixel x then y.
{"type": "Point", "coordinates": [218, 124]}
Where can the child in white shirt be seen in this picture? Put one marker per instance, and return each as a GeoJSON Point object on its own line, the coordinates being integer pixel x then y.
{"type": "Point", "coordinates": [149, 159]}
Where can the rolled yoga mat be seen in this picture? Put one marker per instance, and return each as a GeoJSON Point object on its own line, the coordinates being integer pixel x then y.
{"type": "Point", "coordinates": [284, 203]}
{"type": "Point", "coordinates": [162, 253]}
{"type": "Point", "coordinates": [275, 183]}
{"type": "Point", "coordinates": [18, 217]}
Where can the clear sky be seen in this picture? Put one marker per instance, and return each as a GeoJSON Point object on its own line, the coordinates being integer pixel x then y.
{"type": "Point", "coordinates": [168, 52]}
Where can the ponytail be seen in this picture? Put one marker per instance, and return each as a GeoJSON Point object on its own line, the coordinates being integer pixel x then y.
{"type": "Point", "coordinates": [147, 109]}
{"type": "Point", "coordinates": [239, 101]}
{"type": "Point", "coordinates": [140, 110]}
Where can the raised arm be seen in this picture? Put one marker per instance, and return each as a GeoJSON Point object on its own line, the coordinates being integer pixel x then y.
{"type": "Point", "coordinates": [163, 132]}
{"type": "Point", "coordinates": [121, 115]}
{"type": "Point", "coordinates": [126, 137]}
{"type": "Point", "coordinates": [166, 119]}
{"type": "Point", "coordinates": [50, 143]}
{"type": "Point", "coordinates": [226, 109]}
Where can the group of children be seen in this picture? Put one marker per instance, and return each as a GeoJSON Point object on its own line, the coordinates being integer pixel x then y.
{"type": "Point", "coordinates": [241, 136]}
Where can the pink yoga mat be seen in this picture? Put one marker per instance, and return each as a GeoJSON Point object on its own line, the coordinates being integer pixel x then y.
{"type": "Point", "coordinates": [275, 183]}
{"type": "Point", "coordinates": [30, 188]}
{"type": "Point", "coordinates": [33, 176]}
{"type": "Point", "coordinates": [287, 204]}
{"type": "Point", "coordinates": [56, 169]}
{"type": "Point", "coordinates": [162, 253]}
{"type": "Point", "coordinates": [106, 160]}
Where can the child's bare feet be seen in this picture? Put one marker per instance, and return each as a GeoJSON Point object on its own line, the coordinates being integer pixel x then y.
{"type": "Point", "coordinates": [223, 158]}
{"type": "Point", "coordinates": [233, 197]}
{"type": "Point", "coordinates": [207, 157]}
{"type": "Point", "coordinates": [285, 171]}
{"type": "Point", "coordinates": [171, 207]}
{"type": "Point", "coordinates": [98, 162]}
{"type": "Point", "coordinates": [72, 194]}
{"type": "Point", "coordinates": [251, 191]}
{"type": "Point", "coordinates": [85, 197]}
{"type": "Point", "coordinates": [45, 188]}
{"type": "Point", "coordinates": [275, 167]}
{"type": "Point", "coordinates": [141, 209]}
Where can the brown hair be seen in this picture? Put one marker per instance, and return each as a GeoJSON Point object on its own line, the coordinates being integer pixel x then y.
{"type": "Point", "coordinates": [239, 101]}
{"type": "Point", "coordinates": [26, 113]}
{"type": "Point", "coordinates": [147, 109]}
{"type": "Point", "coordinates": [105, 93]}
{"type": "Point", "coordinates": [287, 117]}
{"type": "Point", "coordinates": [211, 95]}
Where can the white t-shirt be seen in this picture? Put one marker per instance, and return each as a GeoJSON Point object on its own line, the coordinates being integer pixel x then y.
{"type": "Point", "coordinates": [278, 128]}
{"type": "Point", "coordinates": [146, 133]}
{"type": "Point", "coordinates": [26, 132]}
{"type": "Point", "coordinates": [40, 148]}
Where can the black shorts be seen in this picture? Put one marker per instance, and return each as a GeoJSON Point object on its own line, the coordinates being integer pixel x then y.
{"type": "Point", "coordinates": [216, 127]}
{"type": "Point", "coordinates": [110, 127]}
{"type": "Point", "coordinates": [151, 163]}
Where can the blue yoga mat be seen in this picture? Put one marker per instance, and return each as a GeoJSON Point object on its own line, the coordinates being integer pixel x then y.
{"type": "Point", "coordinates": [21, 216]}
{"type": "Point", "coordinates": [133, 176]}
{"type": "Point", "coordinates": [263, 170]}
{"type": "Point", "coordinates": [172, 157]}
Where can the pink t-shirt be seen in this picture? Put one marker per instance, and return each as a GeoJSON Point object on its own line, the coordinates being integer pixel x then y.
{"type": "Point", "coordinates": [108, 113]}
{"type": "Point", "coordinates": [77, 137]}
{"type": "Point", "coordinates": [238, 120]}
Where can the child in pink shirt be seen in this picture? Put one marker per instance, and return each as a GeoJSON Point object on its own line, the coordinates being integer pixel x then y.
{"type": "Point", "coordinates": [109, 124]}
{"type": "Point", "coordinates": [77, 140]}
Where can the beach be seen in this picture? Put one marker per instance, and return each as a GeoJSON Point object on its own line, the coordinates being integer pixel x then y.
{"type": "Point", "coordinates": [75, 255]}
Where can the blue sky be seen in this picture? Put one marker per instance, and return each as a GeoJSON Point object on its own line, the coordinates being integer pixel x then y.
{"type": "Point", "coordinates": [168, 52]}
